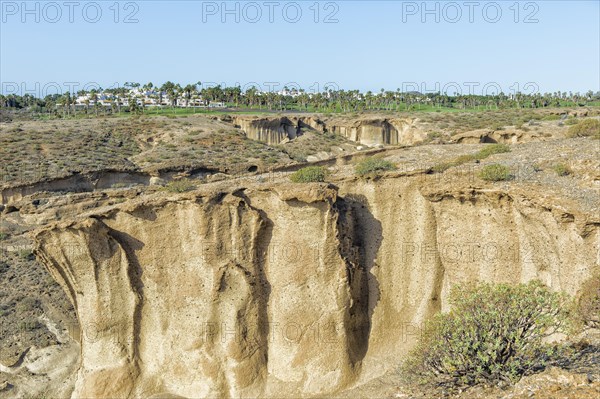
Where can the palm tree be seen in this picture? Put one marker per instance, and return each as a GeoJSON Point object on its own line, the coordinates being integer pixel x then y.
{"type": "Point", "coordinates": [94, 98]}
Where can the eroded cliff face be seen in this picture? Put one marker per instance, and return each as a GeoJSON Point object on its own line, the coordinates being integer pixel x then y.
{"type": "Point", "coordinates": [377, 131]}
{"type": "Point", "coordinates": [221, 296]}
{"type": "Point", "coordinates": [268, 130]}
{"type": "Point", "coordinates": [422, 237]}
{"type": "Point", "coordinates": [291, 291]}
{"type": "Point", "coordinates": [367, 131]}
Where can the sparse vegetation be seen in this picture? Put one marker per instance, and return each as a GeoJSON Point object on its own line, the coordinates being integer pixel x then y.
{"type": "Point", "coordinates": [463, 159]}
{"type": "Point", "coordinates": [180, 186]}
{"type": "Point", "coordinates": [571, 121]}
{"type": "Point", "coordinates": [27, 304]}
{"type": "Point", "coordinates": [26, 254]}
{"type": "Point", "coordinates": [373, 167]}
{"type": "Point", "coordinates": [562, 169]}
{"type": "Point", "coordinates": [492, 333]}
{"type": "Point", "coordinates": [310, 174]}
{"type": "Point", "coordinates": [29, 325]}
{"type": "Point", "coordinates": [585, 128]}
{"type": "Point", "coordinates": [491, 150]}
{"type": "Point", "coordinates": [495, 172]}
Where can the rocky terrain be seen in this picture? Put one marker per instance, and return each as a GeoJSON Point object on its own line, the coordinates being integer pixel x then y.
{"type": "Point", "coordinates": [246, 285]}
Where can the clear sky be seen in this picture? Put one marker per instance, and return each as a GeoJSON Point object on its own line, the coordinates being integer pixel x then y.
{"type": "Point", "coordinates": [457, 46]}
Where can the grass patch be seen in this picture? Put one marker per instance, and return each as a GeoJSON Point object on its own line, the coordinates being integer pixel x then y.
{"type": "Point", "coordinates": [310, 174]}
{"type": "Point", "coordinates": [373, 166]}
{"type": "Point", "coordinates": [495, 172]}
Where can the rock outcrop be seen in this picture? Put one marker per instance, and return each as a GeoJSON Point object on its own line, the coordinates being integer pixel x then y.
{"type": "Point", "coordinates": [268, 130]}
{"type": "Point", "coordinates": [378, 131]}
{"type": "Point", "coordinates": [500, 136]}
{"type": "Point", "coordinates": [367, 131]}
{"type": "Point", "coordinates": [291, 291]}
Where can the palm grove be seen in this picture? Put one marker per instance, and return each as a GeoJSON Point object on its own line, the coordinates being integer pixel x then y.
{"type": "Point", "coordinates": [136, 98]}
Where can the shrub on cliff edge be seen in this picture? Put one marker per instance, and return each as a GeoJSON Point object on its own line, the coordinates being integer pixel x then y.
{"type": "Point", "coordinates": [492, 333]}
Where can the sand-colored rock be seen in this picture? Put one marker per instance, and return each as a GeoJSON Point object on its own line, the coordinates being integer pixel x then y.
{"type": "Point", "coordinates": [268, 130]}
{"type": "Point", "coordinates": [511, 136]}
{"type": "Point", "coordinates": [292, 290]}
{"type": "Point", "coordinates": [211, 297]}
{"type": "Point", "coordinates": [378, 131]}
{"type": "Point", "coordinates": [370, 131]}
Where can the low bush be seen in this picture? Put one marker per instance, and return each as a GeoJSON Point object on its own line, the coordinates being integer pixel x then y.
{"type": "Point", "coordinates": [310, 174]}
{"type": "Point", "coordinates": [585, 128]}
{"type": "Point", "coordinates": [373, 166]}
{"type": "Point", "coordinates": [26, 254]}
{"type": "Point", "coordinates": [492, 333]}
{"type": "Point", "coordinates": [562, 170]}
{"type": "Point", "coordinates": [495, 172]}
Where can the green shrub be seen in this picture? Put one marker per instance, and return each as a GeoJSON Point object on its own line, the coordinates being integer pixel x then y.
{"type": "Point", "coordinates": [585, 128]}
{"type": "Point", "coordinates": [310, 174]}
{"type": "Point", "coordinates": [3, 236]}
{"type": "Point", "coordinates": [492, 333]}
{"type": "Point", "coordinates": [495, 172]}
{"type": "Point", "coordinates": [373, 166]}
{"type": "Point", "coordinates": [562, 170]}
{"type": "Point", "coordinates": [180, 186]}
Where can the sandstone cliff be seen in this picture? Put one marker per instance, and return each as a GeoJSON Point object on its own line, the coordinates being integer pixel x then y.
{"type": "Point", "coordinates": [368, 131]}
{"type": "Point", "coordinates": [378, 131]}
{"type": "Point", "coordinates": [292, 291]}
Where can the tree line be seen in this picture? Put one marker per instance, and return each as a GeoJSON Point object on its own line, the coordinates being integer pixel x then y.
{"type": "Point", "coordinates": [133, 97]}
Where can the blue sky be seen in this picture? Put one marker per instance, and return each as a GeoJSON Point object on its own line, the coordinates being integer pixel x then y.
{"type": "Point", "coordinates": [546, 46]}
